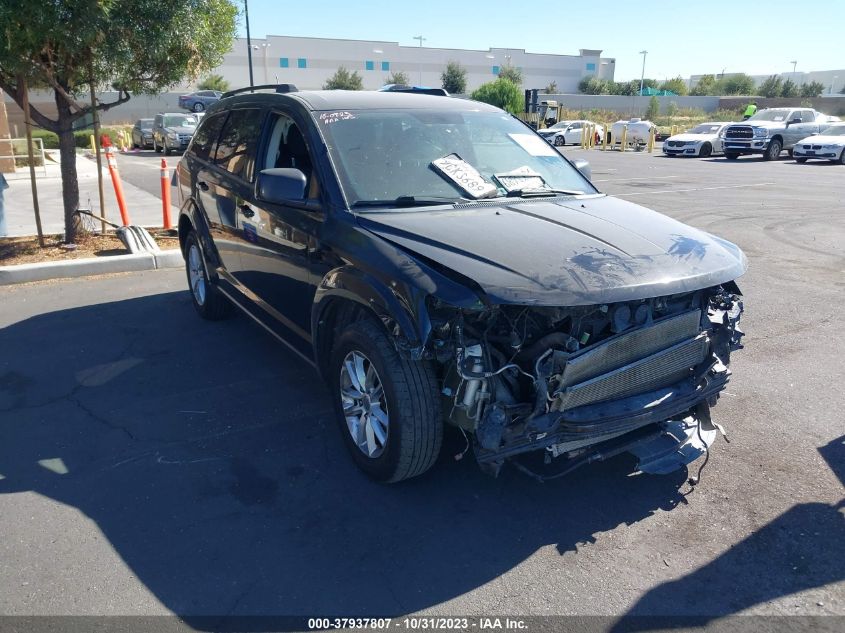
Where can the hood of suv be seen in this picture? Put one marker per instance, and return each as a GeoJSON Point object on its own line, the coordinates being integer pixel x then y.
{"type": "Point", "coordinates": [563, 251]}
{"type": "Point", "coordinates": [181, 129]}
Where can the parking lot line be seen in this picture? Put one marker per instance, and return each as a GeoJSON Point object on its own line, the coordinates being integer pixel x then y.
{"type": "Point", "coordinates": [643, 178]}
{"type": "Point", "coordinates": [646, 193]}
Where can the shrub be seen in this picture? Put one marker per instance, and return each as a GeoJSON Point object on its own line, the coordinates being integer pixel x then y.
{"type": "Point", "coordinates": [501, 93]}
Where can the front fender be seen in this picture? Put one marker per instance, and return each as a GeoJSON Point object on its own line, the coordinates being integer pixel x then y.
{"type": "Point", "coordinates": [197, 221]}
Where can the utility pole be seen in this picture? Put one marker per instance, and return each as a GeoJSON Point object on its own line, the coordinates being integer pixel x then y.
{"type": "Point", "coordinates": [248, 42]}
{"type": "Point", "coordinates": [642, 75]}
{"type": "Point", "coordinates": [421, 39]}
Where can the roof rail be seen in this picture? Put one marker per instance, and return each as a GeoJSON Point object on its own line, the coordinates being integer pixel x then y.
{"type": "Point", "coordinates": [280, 88]}
{"type": "Point", "coordinates": [424, 90]}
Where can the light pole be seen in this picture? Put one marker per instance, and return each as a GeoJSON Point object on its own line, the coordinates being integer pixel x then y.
{"type": "Point", "coordinates": [421, 39]}
{"type": "Point", "coordinates": [265, 46]}
{"type": "Point", "coordinates": [642, 75]}
{"type": "Point", "coordinates": [832, 83]}
{"type": "Point", "coordinates": [794, 64]}
{"type": "Point", "coordinates": [248, 42]}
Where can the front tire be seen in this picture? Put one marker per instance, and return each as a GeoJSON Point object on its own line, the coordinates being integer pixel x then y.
{"type": "Point", "coordinates": [209, 302]}
{"type": "Point", "coordinates": [156, 147]}
{"type": "Point", "coordinates": [773, 150]}
{"type": "Point", "coordinates": [705, 150]}
{"type": "Point", "coordinates": [198, 107]}
{"type": "Point", "coordinates": [559, 141]}
{"type": "Point", "coordinates": [167, 150]}
{"type": "Point", "coordinates": [800, 160]}
{"type": "Point", "coordinates": [842, 158]}
{"type": "Point", "coordinates": [731, 156]}
{"type": "Point", "coordinates": [387, 406]}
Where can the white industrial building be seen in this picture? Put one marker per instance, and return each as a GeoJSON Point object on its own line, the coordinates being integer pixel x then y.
{"type": "Point", "coordinates": [308, 62]}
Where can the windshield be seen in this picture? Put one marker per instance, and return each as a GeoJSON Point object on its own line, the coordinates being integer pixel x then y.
{"type": "Point", "coordinates": [705, 129]}
{"type": "Point", "coordinates": [386, 154]}
{"type": "Point", "coordinates": [145, 124]}
{"type": "Point", "coordinates": [770, 115]}
{"type": "Point", "coordinates": [560, 124]}
{"type": "Point", "coordinates": [835, 130]}
{"type": "Point", "coordinates": [179, 120]}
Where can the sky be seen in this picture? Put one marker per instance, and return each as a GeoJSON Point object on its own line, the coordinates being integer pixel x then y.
{"type": "Point", "coordinates": [683, 37]}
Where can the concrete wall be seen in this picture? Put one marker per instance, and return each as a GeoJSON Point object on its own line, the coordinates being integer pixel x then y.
{"type": "Point", "coordinates": [629, 105]}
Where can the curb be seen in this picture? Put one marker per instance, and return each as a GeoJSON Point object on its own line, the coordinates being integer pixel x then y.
{"type": "Point", "coordinates": [72, 268]}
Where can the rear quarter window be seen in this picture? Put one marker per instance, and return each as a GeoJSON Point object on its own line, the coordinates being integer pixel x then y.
{"type": "Point", "coordinates": [206, 136]}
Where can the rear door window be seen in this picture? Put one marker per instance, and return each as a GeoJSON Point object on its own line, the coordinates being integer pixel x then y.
{"type": "Point", "coordinates": [238, 140]}
{"type": "Point", "coordinates": [205, 139]}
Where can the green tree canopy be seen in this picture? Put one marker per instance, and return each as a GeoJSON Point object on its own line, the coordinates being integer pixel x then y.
{"type": "Point", "coordinates": [213, 82]}
{"type": "Point", "coordinates": [706, 86]}
{"type": "Point", "coordinates": [344, 80]}
{"type": "Point", "coordinates": [789, 89]}
{"type": "Point", "coordinates": [592, 85]}
{"type": "Point", "coordinates": [737, 84]}
{"type": "Point", "coordinates": [771, 86]}
{"type": "Point", "coordinates": [67, 46]}
{"type": "Point", "coordinates": [454, 78]}
{"type": "Point", "coordinates": [812, 89]}
{"type": "Point", "coordinates": [511, 73]}
{"type": "Point", "coordinates": [677, 85]}
{"type": "Point", "coordinates": [397, 77]}
{"type": "Point", "coordinates": [502, 93]}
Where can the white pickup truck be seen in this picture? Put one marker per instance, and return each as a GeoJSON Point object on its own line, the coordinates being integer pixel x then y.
{"type": "Point", "coordinates": [771, 131]}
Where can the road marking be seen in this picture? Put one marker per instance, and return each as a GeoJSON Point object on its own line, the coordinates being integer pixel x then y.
{"type": "Point", "coordinates": [646, 193]}
{"type": "Point", "coordinates": [644, 178]}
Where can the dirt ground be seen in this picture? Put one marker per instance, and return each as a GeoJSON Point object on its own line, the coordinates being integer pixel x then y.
{"type": "Point", "coordinates": [25, 250]}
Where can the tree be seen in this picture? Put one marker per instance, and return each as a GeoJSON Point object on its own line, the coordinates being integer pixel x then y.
{"type": "Point", "coordinates": [625, 88]}
{"type": "Point", "coordinates": [676, 85]}
{"type": "Point", "coordinates": [398, 77]}
{"type": "Point", "coordinates": [68, 46]}
{"type": "Point", "coordinates": [812, 89]}
{"type": "Point", "coordinates": [344, 80]}
{"type": "Point", "coordinates": [511, 73]}
{"type": "Point", "coordinates": [706, 86]}
{"type": "Point", "coordinates": [502, 93]}
{"type": "Point", "coordinates": [736, 84]}
{"type": "Point", "coordinates": [454, 78]}
{"type": "Point", "coordinates": [789, 89]}
{"type": "Point", "coordinates": [213, 82]}
{"type": "Point", "coordinates": [551, 89]}
{"type": "Point", "coordinates": [592, 85]}
{"type": "Point", "coordinates": [653, 110]}
{"type": "Point", "coordinates": [771, 86]}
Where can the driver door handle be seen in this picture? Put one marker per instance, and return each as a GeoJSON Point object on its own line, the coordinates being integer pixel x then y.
{"type": "Point", "coordinates": [247, 211]}
{"type": "Point", "coordinates": [202, 185]}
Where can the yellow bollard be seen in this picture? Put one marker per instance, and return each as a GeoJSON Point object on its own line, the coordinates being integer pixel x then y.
{"type": "Point", "coordinates": [93, 145]}
{"type": "Point", "coordinates": [583, 135]}
{"type": "Point", "coordinates": [651, 135]}
{"type": "Point", "coordinates": [592, 135]}
{"type": "Point", "coordinates": [604, 137]}
{"type": "Point", "coordinates": [624, 143]}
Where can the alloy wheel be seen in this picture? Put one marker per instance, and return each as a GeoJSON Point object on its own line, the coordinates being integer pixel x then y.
{"type": "Point", "coordinates": [364, 404]}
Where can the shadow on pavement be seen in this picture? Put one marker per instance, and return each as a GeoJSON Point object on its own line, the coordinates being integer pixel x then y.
{"type": "Point", "coordinates": [208, 457]}
{"type": "Point", "coordinates": [802, 549]}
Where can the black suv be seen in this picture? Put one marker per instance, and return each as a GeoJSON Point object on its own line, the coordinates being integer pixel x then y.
{"type": "Point", "coordinates": [439, 263]}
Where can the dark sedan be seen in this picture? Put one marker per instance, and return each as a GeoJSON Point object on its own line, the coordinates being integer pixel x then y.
{"type": "Point", "coordinates": [142, 134]}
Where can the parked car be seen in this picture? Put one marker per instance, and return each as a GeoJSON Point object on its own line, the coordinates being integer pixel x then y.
{"type": "Point", "coordinates": [770, 131]}
{"type": "Point", "coordinates": [439, 263]}
{"type": "Point", "coordinates": [173, 131]}
{"type": "Point", "coordinates": [827, 145]}
{"type": "Point", "coordinates": [200, 100]}
{"type": "Point", "coordinates": [702, 140]}
{"type": "Point", "coordinates": [142, 133]}
{"type": "Point", "coordinates": [569, 132]}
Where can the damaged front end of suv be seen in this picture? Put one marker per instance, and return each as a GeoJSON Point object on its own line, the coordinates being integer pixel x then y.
{"type": "Point", "coordinates": [589, 382]}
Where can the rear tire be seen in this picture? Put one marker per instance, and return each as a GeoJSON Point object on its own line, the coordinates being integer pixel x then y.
{"type": "Point", "coordinates": [842, 158]}
{"type": "Point", "coordinates": [705, 150]}
{"type": "Point", "coordinates": [198, 107]}
{"type": "Point", "coordinates": [402, 439]}
{"type": "Point", "coordinates": [773, 150]}
{"type": "Point", "coordinates": [210, 303]}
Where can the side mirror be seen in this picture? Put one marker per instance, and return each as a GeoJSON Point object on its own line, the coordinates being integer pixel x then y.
{"type": "Point", "coordinates": [795, 120]}
{"type": "Point", "coordinates": [584, 167]}
{"type": "Point", "coordinates": [280, 185]}
{"type": "Point", "coordinates": [814, 133]}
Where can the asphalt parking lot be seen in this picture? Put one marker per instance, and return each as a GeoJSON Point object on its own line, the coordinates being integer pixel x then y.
{"type": "Point", "coordinates": [153, 463]}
